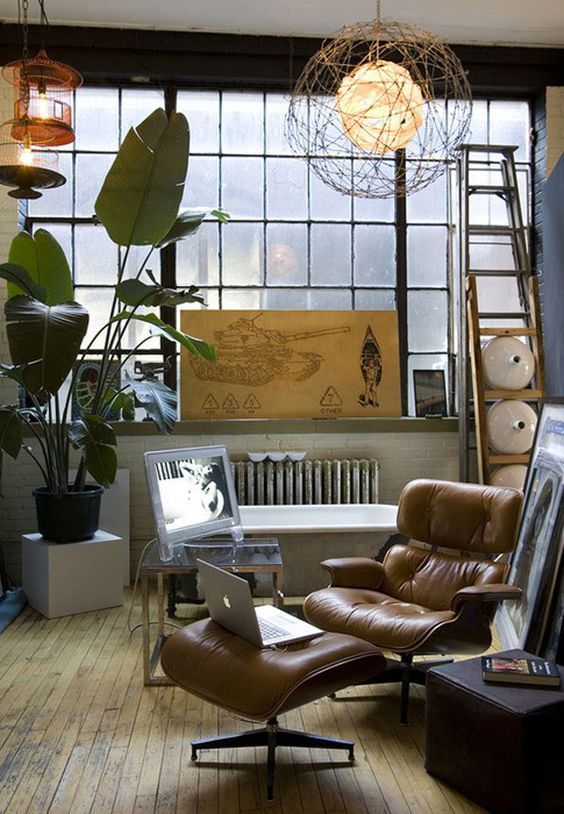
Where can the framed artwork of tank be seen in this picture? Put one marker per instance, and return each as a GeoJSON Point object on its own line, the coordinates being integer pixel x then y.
{"type": "Point", "coordinates": [535, 622]}
{"type": "Point", "coordinates": [292, 364]}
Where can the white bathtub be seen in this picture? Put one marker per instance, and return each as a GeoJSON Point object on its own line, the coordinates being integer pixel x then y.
{"type": "Point", "coordinates": [354, 517]}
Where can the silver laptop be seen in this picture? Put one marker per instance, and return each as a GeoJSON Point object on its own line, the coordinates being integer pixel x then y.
{"type": "Point", "coordinates": [230, 604]}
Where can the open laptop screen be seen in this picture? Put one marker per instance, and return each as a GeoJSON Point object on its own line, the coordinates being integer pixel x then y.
{"type": "Point", "coordinates": [192, 494]}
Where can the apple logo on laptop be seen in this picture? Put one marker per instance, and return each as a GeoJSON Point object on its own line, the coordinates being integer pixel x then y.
{"type": "Point", "coordinates": [226, 601]}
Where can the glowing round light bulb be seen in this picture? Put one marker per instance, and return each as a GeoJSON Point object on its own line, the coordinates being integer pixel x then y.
{"type": "Point", "coordinates": [380, 106]}
{"type": "Point", "coordinates": [42, 106]}
{"type": "Point", "coordinates": [25, 156]}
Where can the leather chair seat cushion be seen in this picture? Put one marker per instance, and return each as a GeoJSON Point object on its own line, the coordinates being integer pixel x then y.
{"type": "Point", "coordinates": [387, 622]}
{"type": "Point", "coordinates": [218, 666]}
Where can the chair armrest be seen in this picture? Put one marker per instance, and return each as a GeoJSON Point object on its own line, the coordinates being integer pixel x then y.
{"type": "Point", "coordinates": [355, 572]}
{"type": "Point", "coordinates": [495, 592]}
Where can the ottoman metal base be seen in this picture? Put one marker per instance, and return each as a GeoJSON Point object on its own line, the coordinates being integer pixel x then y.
{"type": "Point", "coordinates": [272, 736]}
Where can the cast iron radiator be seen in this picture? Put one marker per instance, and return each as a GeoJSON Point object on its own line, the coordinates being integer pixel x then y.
{"type": "Point", "coordinates": [298, 482]}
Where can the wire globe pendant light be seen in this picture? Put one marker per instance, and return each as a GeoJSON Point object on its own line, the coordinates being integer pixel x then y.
{"type": "Point", "coordinates": [373, 89]}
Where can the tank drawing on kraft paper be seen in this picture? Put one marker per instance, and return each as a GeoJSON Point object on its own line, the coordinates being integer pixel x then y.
{"type": "Point", "coordinates": [292, 364]}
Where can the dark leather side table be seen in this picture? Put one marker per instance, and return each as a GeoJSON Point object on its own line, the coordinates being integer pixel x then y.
{"type": "Point", "coordinates": [501, 745]}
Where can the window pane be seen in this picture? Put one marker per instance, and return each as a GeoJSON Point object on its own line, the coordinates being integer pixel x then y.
{"type": "Point", "coordinates": [279, 299]}
{"type": "Point", "coordinates": [243, 253]}
{"type": "Point", "coordinates": [330, 254]}
{"type": "Point", "coordinates": [498, 294]}
{"type": "Point", "coordinates": [242, 187]}
{"type": "Point", "coordinates": [56, 203]}
{"type": "Point", "coordinates": [97, 301]}
{"type": "Point", "coordinates": [429, 204]}
{"type": "Point", "coordinates": [202, 188]}
{"type": "Point", "coordinates": [509, 124]}
{"type": "Point", "coordinates": [197, 258]}
{"type": "Point", "coordinates": [211, 300]}
{"type": "Point", "coordinates": [136, 105]}
{"type": "Point", "coordinates": [374, 255]}
{"type": "Point", "coordinates": [478, 123]}
{"type": "Point", "coordinates": [427, 320]}
{"type": "Point", "coordinates": [495, 253]}
{"type": "Point", "coordinates": [374, 299]}
{"type": "Point", "coordinates": [276, 108]}
{"type": "Point", "coordinates": [325, 299]}
{"type": "Point", "coordinates": [374, 209]}
{"type": "Point", "coordinates": [327, 203]}
{"type": "Point", "coordinates": [96, 256]}
{"type": "Point", "coordinates": [91, 171]}
{"type": "Point", "coordinates": [242, 298]}
{"type": "Point", "coordinates": [242, 123]}
{"type": "Point", "coordinates": [286, 254]}
{"type": "Point", "coordinates": [286, 188]}
{"type": "Point", "coordinates": [201, 108]}
{"type": "Point", "coordinates": [427, 256]}
{"type": "Point", "coordinates": [96, 117]}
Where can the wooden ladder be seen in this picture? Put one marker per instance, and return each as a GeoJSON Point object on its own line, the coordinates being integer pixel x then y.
{"type": "Point", "coordinates": [477, 325]}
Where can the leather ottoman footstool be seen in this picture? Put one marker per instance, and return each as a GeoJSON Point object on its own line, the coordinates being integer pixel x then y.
{"type": "Point", "coordinates": [501, 745]}
{"type": "Point", "coordinates": [220, 667]}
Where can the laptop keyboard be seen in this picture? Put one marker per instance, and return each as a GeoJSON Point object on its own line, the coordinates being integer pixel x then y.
{"type": "Point", "coordinates": [270, 631]}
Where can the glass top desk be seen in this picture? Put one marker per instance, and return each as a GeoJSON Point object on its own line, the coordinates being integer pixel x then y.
{"type": "Point", "coordinates": [259, 555]}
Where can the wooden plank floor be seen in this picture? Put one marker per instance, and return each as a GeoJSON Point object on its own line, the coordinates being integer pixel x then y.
{"type": "Point", "coordinates": [80, 733]}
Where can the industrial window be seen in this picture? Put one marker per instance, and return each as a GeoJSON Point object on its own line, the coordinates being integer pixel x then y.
{"type": "Point", "coordinates": [292, 242]}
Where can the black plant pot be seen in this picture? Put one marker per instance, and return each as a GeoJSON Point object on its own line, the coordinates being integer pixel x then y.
{"type": "Point", "coordinates": [68, 518]}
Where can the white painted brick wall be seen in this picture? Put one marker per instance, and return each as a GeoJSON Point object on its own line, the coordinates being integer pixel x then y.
{"type": "Point", "coordinates": [554, 127]}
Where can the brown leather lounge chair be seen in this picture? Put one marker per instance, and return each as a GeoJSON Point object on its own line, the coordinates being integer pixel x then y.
{"type": "Point", "coordinates": [419, 601]}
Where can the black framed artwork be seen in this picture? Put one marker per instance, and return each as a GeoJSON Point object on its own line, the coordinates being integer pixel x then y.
{"type": "Point", "coordinates": [430, 393]}
{"type": "Point", "coordinates": [535, 622]}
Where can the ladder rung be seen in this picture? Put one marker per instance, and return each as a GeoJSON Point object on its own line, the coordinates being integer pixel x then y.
{"type": "Point", "coordinates": [525, 395]}
{"type": "Point", "coordinates": [496, 272]}
{"type": "Point", "coordinates": [484, 189]}
{"type": "Point", "coordinates": [503, 314]}
{"type": "Point", "coordinates": [485, 229]}
{"type": "Point", "coordinates": [508, 331]}
{"type": "Point", "coordinates": [488, 148]}
{"type": "Point", "coordinates": [508, 459]}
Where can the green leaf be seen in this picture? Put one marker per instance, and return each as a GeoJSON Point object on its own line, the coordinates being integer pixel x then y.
{"type": "Point", "coordinates": [97, 440]}
{"type": "Point", "coordinates": [159, 401]}
{"type": "Point", "coordinates": [44, 260]}
{"type": "Point", "coordinates": [191, 343]}
{"type": "Point", "coordinates": [11, 435]}
{"type": "Point", "coordinates": [188, 222]}
{"type": "Point", "coordinates": [139, 200]}
{"type": "Point", "coordinates": [21, 282]}
{"type": "Point", "coordinates": [124, 403]}
{"type": "Point", "coordinates": [133, 292]}
{"type": "Point", "coordinates": [50, 336]}
{"type": "Point", "coordinates": [15, 372]}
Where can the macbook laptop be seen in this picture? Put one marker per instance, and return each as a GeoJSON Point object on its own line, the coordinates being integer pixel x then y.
{"type": "Point", "coordinates": [230, 604]}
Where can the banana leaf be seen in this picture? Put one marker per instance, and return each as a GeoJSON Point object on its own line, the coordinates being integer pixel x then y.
{"type": "Point", "coordinates": [49, 336]}
{"type": "Point", "coordinates": [97, 440]}
{"type": "Point", "coordinates": [139, 200]}
{"type": "Point", "coordinates": [188, 222]}
{"type": "Point", "coordinates": [45, 262]}
{"type": "Point", "coordinates": [133, 292]}
{"type": "Point", "coordinates": [11, 435]}
{"type": "Point", "coordinates": [159, 400]}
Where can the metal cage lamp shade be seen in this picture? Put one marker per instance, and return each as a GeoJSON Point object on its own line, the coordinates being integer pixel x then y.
{"type": "Point", "coordinates": [374, 89]}
{"type": "Point", "coordinates": [44, 89]}
{"type": "Point", "coordinates": [24, 167]}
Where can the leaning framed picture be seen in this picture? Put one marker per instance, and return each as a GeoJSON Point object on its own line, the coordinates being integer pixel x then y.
{"type": "Point", "coordinates": [537, 559]}
{"type": "Point", "coordinates": [429, 392]}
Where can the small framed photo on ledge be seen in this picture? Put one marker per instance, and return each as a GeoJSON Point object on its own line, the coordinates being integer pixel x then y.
{"type": "Point", "coordinates": [430, 393]}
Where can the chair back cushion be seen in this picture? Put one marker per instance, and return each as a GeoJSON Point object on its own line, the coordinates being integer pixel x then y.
{"type": "Point", "coordinates": [463, 516]}
{"type": "Point", "coordinates": [430, 579]}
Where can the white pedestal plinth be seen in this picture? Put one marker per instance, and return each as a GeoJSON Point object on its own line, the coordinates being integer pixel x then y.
{"type": "Point", "coordinates": [63, 578]}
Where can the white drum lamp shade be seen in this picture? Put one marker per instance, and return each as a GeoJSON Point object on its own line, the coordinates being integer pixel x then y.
{"type": "Point", "coordinates": [511, 427]}
{"type": "Point", "coordinates": [512, 475]}
{"type": "Point", "coordinates": [507, 363]}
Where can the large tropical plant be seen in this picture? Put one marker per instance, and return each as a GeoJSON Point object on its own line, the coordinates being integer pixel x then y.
{"type": "Point", "coordinates": [138, 205]}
